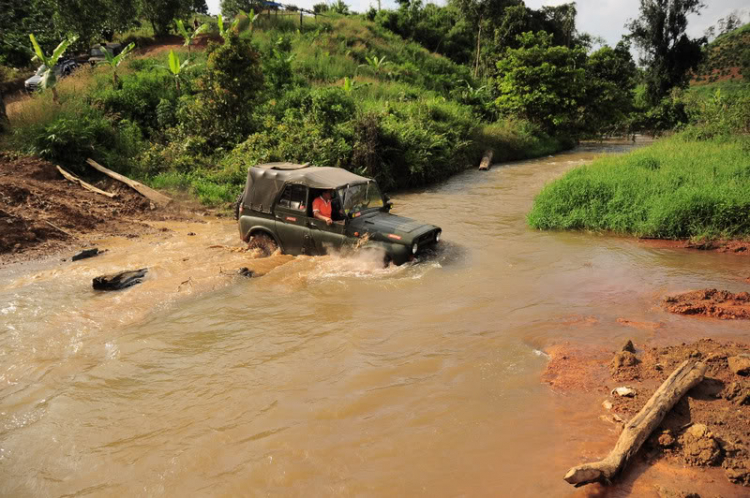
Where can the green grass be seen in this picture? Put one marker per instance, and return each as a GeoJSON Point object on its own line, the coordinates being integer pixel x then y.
{"type": "Point", "coordinates": [675, 189]}
{"type": "Point", "coordinates": [728, 88]}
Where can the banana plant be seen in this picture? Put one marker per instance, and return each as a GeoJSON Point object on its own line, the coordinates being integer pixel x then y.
{"type": "Point", "coordinates": [48, 76]}
{"type": "Point", "coordinates": [176, 68]}
{"type": "Point", "coordinates": [188, 36]}
{"type": "Point", "coordinates": [350, 85]}
{"type": "Point", "coordinates": [375, 63]}
{"type": "Point", "coordinates": [223, 32]}
{"type": "Point", "coordinates": [251, 17]}
{"type": "Point", "coordinates": [115, 60]}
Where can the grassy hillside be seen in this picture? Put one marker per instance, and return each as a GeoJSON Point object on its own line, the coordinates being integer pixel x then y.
{"type": "Point", "coordinates": [723, 57]}
{"type": "Point", "coordinates": [337, 92]}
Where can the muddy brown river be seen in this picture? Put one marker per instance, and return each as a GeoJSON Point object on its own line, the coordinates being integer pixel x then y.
{"type": "Point", "coordinates": [330, 376]}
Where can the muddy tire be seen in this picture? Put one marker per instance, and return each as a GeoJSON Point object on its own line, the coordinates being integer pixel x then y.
{"type": "Point", "coordinates": [263, 243]}
{"type": "Point", "coordinates": [238, 206]}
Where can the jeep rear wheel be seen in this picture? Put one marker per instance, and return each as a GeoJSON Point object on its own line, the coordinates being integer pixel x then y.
{"type": "Point", "coordinates": [263, 243]}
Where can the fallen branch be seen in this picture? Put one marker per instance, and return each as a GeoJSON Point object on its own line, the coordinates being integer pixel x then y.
{"type": "Point", "coordinates": [637, 430]}
{"type": "Point", "coordinates": [61, 230]}
{"type": "Point", "coordinates": [72, 178]}
{"type": "Point", "coordinates": [147, 192]}
{"type": "Point", "coordinates": [486, 160]}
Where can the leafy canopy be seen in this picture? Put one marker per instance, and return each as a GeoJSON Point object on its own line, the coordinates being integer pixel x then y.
{"type": "Point", "coordinates": [668, 53]}
{"type": "Point", "coordinates": [542, 82]}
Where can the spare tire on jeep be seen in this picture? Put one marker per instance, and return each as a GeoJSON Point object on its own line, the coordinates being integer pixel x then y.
{"type": "Point", "coordinates": [238, 206]}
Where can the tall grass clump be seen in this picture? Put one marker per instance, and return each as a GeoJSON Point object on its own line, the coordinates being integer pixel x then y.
{"type": "Point", "coordinates": [677, 188]}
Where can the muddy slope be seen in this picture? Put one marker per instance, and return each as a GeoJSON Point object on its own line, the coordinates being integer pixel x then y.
{"type": "Point", "coordinates": [42, 213]}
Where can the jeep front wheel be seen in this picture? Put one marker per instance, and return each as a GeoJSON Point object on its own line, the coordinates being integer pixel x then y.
{"type": "Point", "coordinates": [263, 244]}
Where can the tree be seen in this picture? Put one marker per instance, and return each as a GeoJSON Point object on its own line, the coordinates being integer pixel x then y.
{"type": "Point", "coordinates": [339, 7]}
{"type": "Point", "coordinates": [611, 76]}
{"type": "Point", "coordinates": [93, 20]}
{"type": "Point", "coordinates": [18, 19]}
{"type": "Point", "coordinates": [49, 79]}
{"type": "Point", "coordinates": [114, 61]}
{"type": "Point", "coordinates": [230, 8]}
{"type": "Point", "coordinates": [668, 53]}
{"type": "Point", "coordinates": [541, 82]}
{"type": "Point", "coordinates": [160, 13]}
{"type": "Point", "coordinates": [232, 83]}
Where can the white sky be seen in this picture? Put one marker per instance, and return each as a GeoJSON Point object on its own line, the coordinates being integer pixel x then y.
{"type": "Point", "coordinates": [605, 18]}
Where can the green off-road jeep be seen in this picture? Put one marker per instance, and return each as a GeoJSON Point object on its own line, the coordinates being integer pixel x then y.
{"type": "Point", "coordinates": [275, 210]}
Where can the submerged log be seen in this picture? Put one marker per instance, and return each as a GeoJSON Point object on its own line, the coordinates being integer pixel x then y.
{"type": "Point", "coordinates": [87, 253]}
{"type": "Point", "coordinates": [120, 280]}
{"type": "Point", "coordinates": [636, 431]}
{"type": "Point", "coordinates": [147, 192]}
{"type": "Point", "coordinates": [486, 160]}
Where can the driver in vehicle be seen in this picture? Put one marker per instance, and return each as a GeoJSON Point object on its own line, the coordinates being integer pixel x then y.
{"type": "Point", "coordinates": [322, 209]}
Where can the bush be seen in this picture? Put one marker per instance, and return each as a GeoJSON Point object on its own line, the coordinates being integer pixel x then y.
{"type": "Point", "coordinates": [71, 139]}
{"type": "Point", "coordinates": [138, 97]}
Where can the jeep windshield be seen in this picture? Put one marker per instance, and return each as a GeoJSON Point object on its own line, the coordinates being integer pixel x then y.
{"type": "Point", "coordinates": [361, 197]}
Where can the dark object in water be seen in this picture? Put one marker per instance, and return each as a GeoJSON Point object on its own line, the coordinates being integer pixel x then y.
{"type": "Point", "coordinates": [246, 272]}
{"type": "Point", "coordinates": [120, 280]}
{"type": "Point", "coordinates": [88, 253]}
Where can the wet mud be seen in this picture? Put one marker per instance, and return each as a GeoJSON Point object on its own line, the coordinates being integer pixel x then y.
{"type": "Point", "coordinates": [41, 213]}
{"type": "Point", "coordinates": [735, 247]}
{"type": "Point", "coordinates": [711, 303]}
{"type": "Point", "coordinates": [706, 435]}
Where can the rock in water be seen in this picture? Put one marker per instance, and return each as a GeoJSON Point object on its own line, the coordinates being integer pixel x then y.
{"type": "Point", "coordinates": [246, 272]}
{"type": "Point", "coordinates": [120, 280]}
{"type": "Point", "coordinates": [88, 253]}
{"type": "Point", "coordinates": [740, 364]}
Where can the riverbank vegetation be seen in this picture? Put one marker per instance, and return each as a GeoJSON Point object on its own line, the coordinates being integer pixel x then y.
{"type": "Point", "coordinates": [693, 184]}
{"type": "Point", "coordinates": [371, 93]}
{"type": "Point", "coordinates": [407, 96]}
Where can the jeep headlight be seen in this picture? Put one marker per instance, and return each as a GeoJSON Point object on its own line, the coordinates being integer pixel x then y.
{"type": "Point", "coordinates": [437, 236]}
{"type": "Point", "coordinates": [414, 248]}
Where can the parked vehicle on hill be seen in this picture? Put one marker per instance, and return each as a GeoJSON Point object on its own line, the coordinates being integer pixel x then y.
{"type": "Point", "coordinates": [62, 68]}
{"type": "Point", "coordinates": [276, 209]}
{"type": "Point", "coordinates": [97, 55]}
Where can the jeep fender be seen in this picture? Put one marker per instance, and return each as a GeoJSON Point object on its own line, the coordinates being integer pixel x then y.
{"type": "Point", "coordinates": [398, 253]}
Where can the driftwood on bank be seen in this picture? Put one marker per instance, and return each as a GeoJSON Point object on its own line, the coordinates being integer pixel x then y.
{"type": "Point", "coordinates": [61, 230]}
{"type": "Point", "coordinates": [72, 178]}
{"type": "Point", "coordinates": [149, 193]}
{"type": "Point", "coordinates": [636, 431]}
{"type": "Point", "coordinates": [486, 160]}
{"type": "Point", "coordinates": [120, 280]}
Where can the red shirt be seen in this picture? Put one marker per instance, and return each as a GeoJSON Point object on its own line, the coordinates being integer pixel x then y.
{"type": "Point", "coordinates": [322, 206]}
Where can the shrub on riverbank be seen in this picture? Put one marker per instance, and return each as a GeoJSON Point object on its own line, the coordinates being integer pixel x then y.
{"type": "Point", "coordinates": [341, 93]}
{"type": "Point", "coordinates": [677, 188]}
